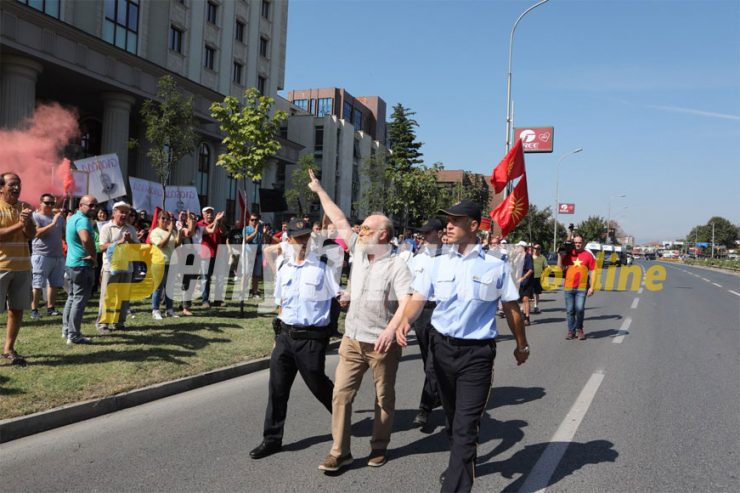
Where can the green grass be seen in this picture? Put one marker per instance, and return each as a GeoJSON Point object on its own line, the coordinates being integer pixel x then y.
{"type": "Point", "coordinates": [147, 352]}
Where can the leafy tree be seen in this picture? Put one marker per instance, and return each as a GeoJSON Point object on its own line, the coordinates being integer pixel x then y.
{"type": "Point", "coordinates": [373, 170]}
{"type": "Point", "coordinates": [592, 229]}
{"type": "Point", "coordinates": [725, 233]}
{"type": "Point", "coordinates": [537, 227]}
{"type": "Point", "coordinates": [402, 136]}
{"type": "Point", "coordinates": [250, 133]}
{"type": "Point", "coordinates": [170, 128]}
{"type": "Point", "coordinates": [473, 187]}
{"type": "Point", "coordinates": [298, 195]}
{"type": "Point", "coordinates": [413, 195]}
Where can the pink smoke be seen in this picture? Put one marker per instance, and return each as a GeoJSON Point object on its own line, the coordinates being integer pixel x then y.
{"type": "Point", "coordinates": [34, 151]}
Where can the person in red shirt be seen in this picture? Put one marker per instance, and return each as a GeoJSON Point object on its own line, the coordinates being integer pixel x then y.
{"type": "Point", "coordinates": [213, 229]}
{"type": "Point", "coordinates": [579, 265]}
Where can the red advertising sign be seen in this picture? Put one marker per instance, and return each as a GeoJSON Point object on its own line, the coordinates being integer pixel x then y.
{"type": "Point", "coordinates": [566, 208]}
{"type": "Point", "coordinates": [485, 224]}
{"type": "Point", "coordinates": [539, 139]}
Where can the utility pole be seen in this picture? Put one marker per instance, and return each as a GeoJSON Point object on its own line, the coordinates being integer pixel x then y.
{"type": "Point", "coordinates": [712, 240]}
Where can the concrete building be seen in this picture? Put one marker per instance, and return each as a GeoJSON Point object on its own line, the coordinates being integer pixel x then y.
{"type": "Point", "coordinates": [104, 57]}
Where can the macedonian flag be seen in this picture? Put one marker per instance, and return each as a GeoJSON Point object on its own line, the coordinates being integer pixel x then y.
{"type": "Point", "coordinates": [509, 212]}
{"type": "Point", "coordinates": [510, 167]}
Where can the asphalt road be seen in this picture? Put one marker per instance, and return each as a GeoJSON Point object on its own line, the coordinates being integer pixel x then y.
{"type": "Point", "coordinates": [650, 402]}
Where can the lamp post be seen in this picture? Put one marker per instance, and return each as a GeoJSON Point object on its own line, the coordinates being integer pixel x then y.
{"type": "Point", "coordinates": [508, 77]}
{"type": "Point", "coordinates": [609, 217]}
{"type": "Point", "coordinates": [557, 196]}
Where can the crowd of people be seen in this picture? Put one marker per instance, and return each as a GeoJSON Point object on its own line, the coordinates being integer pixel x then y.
{"type": "Point", "coordinates": [445, 282]}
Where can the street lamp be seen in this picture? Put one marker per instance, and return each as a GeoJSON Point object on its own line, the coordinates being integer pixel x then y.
{"type": "Point", "coordinates": [508, 78]}
{"type": "Point", "coordinates": [609, 217]}
{"type": "Point", "coordinates": [557, 195]}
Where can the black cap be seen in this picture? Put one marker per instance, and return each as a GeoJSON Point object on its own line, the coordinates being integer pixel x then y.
{"type": "Point", "coordinates": [433, 224]}
{"type": "Point", "coordinates": [298, 227]}
{"type": "Point", "coordinates": [466, 208]}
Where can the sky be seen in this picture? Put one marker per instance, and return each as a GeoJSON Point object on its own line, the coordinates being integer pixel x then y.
{"type": "Point", "coordinates": [649, 89]}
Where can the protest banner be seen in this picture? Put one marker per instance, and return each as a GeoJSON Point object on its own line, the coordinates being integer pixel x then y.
{"type": "Point", "coordinates": [178, 199]}
{"type": "Point", "coordinates": [145, 194]}
{"type": "Point", "coordinates": [105, 181]}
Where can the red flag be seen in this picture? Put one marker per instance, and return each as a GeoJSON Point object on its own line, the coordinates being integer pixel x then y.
{"type": "Point", "coordinates": [509, 212]}
{"type": "Point", "coordinates": [243, 207]}
{"type": "Point", "coordinates": [510, 167]}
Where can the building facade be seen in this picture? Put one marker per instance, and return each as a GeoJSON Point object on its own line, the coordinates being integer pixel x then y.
{"type": "Point", "coordinates": [104, 58]}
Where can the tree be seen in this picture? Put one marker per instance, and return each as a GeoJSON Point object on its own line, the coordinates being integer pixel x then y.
{"type": "Point", "coordinates": [473, 187]}
{"type": "Point", "coordinates": [298, 195]}
{"type": "Point", "coordinates": [402, 136]}
{"type": "Point", "coordinates": [593, 229]}
{"type": "Point", "coordinates": [250, 133]}
{"type": "Point", "coordinates": [375, 183]}
{"type": "Point", "coordinates": [170, 129]}
{"type": "Point", "coordinates": [413, 195]}
{"type": "Point", "coordinates": [725, 233]}
{"type": "Point", "coordinates": [537, 227]}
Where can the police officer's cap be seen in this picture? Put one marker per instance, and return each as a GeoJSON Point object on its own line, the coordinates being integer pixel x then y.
{"type": "Point", "coordinates": [466, 208]}
{"type": "Point", "coordinates": [433, 224]}
{"type": "Point", "coordinates": [298, 227]}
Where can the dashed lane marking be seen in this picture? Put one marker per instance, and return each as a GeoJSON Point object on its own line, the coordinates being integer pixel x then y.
{"type": "Point", "coordinates": [733, 292]}
{"type": "Point", "coordinates": [543, 470]}
{"type": "Point", "coordinates": [718, 285]}
{"type": "Point", "coordinates": [623, 331]}
{"type": "Point", "coordinates": [639, 291]}
{"type": "Point", "coordinates": [634, 303]}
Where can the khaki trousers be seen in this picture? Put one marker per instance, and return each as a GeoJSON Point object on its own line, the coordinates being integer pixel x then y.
{"type": "Point", "coordinates": [354, 359]}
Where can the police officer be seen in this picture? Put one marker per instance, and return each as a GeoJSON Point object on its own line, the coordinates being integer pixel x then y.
{"type": "Point", "coordinates": [467, 284]}
{"type": "Point", "coordinates": [430, 248]}
{"type": "Point", "coordinates": [304, 289]}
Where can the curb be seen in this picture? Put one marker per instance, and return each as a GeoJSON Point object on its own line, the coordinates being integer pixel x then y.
{"type": "Point", "coordinates": [23, 426]}
{"type": "Point", "coordinates": [721, 270]}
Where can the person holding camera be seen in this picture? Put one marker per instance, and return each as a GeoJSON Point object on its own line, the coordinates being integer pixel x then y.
{"type": "Point", "coordinates": [578, 264]}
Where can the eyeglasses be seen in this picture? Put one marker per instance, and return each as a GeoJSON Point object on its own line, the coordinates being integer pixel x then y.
{"type": "Point", "coordinates": [366, 228]}
{"type": "Point", "coordinates": [50, 203]}
{"type": "Point", "coordinates": [91, 206]}
{"type": "Point", "coordinates": [252, 219]}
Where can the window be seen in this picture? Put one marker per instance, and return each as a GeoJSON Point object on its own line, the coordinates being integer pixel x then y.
{"type": "Point", "coordinates": [262, 85]}
{"type": "Point", "coordinates": [238, 73]}
{"type": "Point", "coordinates": [324, 106]}
{"type": "Point", "coordinates": [283, 132]}
{"type": "Point", "coordinates": [301, 103]}
{"type": "Point", "coordinates": [211, 11]}
{"type": "Point", "coordinates": [175, 39]}
{"type": "Point", "coordinates": [239, 35]}
{"type": "Point", "coordinates": [49, 7]}
{"type": "Point", "coordinates": [121, 24]}
{"type": "Point", "coordinates": [347, 111]}
{"type": "Point", "coordinates": [357, 119]}
{"type": "Point", "coordinates": [204, 166]}
{"type": "Point", "coordinates": [265, 9]}
{"type": "Point", "coordinates": [318, 141]}
{"type": "Point", "coordinates": [264, 43]}
{"type": "Point", "coordinates": [210, 59]}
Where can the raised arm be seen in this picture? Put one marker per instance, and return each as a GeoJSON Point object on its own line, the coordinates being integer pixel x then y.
{"type": "Point", "coordinates": [332, 210]}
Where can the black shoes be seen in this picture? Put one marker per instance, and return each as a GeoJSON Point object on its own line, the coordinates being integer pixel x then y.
{"type": "Point", "coordinates": [264, 449]}
{"type": "Point", "coordinates": [420, 420]}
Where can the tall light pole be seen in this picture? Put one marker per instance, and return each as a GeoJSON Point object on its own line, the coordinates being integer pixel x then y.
{"type": "Point", "coordinates": [508, 77]}
{"type": "Point", "coordinates": [557, 195]}
{"type": "Point", "coordinates": [609, 217]}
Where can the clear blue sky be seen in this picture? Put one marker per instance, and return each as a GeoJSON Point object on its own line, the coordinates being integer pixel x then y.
{"type": "Point", "coordinates": [649, 89]}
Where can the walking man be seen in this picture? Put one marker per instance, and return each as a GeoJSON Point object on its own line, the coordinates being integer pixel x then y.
{"type": "Point", "coordinates": [467, 285]}
{"type": "Point", "coordinates": [80, 269]}
{"type": "Point", "coordinates": [579, 265]}
{"type": "Point", "coordinates": [47, 256]}
{"type": "Point", "coordinates": [379, 285]}
{"type": "Point", "coordinates": [304, 290]}
{"type": "Point", "coordinates": [16, 230]}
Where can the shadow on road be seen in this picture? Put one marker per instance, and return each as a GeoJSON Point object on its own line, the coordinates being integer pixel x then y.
{"type": "Point", "coordinates": [600, 334]}
{"type": "Point", "coordinates": [512, 396]}
{"type": "Point", "coordinates": [536, 320]}
{"type": "Point", "coordinates": [576, 457]}
{"type": "Point", "coordinates": [605, 317]}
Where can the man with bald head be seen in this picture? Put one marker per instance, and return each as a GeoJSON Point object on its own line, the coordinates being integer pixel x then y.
{"type": "Point", "coordinates": [16, 229]}
{"type": "Point", "coordinates": [379, 286]}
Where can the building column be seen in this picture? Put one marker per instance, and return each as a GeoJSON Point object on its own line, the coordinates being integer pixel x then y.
{"type": "Point", "coordinates": [18, 76]}
{"type": "Point", "coordinates": [116, 114]}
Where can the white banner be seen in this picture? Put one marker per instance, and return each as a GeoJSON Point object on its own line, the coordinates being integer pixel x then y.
{"type": "Point", "coordinates": [178, 199]}
{"type": "Point", "coordinates": [79, 189]}
{"type": "Point", "coordinates": [105, 181]}
{"type": "Point", "coordinates": [145, 194]}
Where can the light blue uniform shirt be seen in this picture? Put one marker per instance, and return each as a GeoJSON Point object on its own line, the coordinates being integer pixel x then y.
{"type": "Point", "coordinates": [467, 290]}
{"type": "Point", "coordinates": [423, 260]}
{"type": "Point", "coordinates": [304, 291]}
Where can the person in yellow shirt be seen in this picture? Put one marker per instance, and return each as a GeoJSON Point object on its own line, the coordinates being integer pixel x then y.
{"type": "Point", "coordinates": [16, 230]}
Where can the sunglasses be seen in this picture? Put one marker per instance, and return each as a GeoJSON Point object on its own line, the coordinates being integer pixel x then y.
{"type": "Point", "coordinates": [92, 206]}
{"type": "Point", "coordinates": [50, 203]}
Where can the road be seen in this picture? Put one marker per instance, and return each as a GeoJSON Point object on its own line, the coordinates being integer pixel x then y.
{"type": "Point", "coordinates": [648, 403]}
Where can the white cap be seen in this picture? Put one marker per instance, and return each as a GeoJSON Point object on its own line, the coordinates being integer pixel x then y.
{"type": "Point", "coordinates": [121, 205]}
{"type": "Point", "coordinates": [207, 208]}
{"type": "Point", "coordinates": [503, 242]}
{"type": "Point", "coordinates": [522, 244]}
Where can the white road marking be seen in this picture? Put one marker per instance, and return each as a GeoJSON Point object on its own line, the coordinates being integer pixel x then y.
{"type": "Point", "coordinates": [733, 292]}
{"type": "Point", "coordinates": [718, 285]}
{"type": "Point", "coordinates": [543, 470]}
{"type": "Point", "coordinates": [622, 331]}
{"type": "Point", "coordinates": [634, 303]}
{"type": "Point", "coordinates": [705, 279]}
{"type": "Point", "coordinates": [639, 291]}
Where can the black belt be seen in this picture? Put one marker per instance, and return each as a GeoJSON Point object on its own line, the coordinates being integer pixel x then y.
{"type": "Point", "coordinates": [305, 332]}
{"type": "Point", "coordinates": [430, 304]}
{"type": "Point", "coordinates": [454, 341]}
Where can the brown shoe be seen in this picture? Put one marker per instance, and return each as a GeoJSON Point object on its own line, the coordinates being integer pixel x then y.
{"type": "Point", "coordinates": [377, 458]}
{"type": "Point", "coordinates": [580, 335]}
{"type": "Point", "coordinates": [333, 464]}
{"type": "Point", "coordinates": [14, 358]}
{"type": "Point", "coordinates": [187, 312]}
{"type": "Point", "coordinates": [570, 336]}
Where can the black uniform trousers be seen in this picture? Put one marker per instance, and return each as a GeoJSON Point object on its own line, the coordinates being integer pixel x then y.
{"type": "Point", "coordinates": [423, 330]}
{"type": "Point", "coordinates": [306, 356]}
{"type": "Point", "coordinates": [464, 376]}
